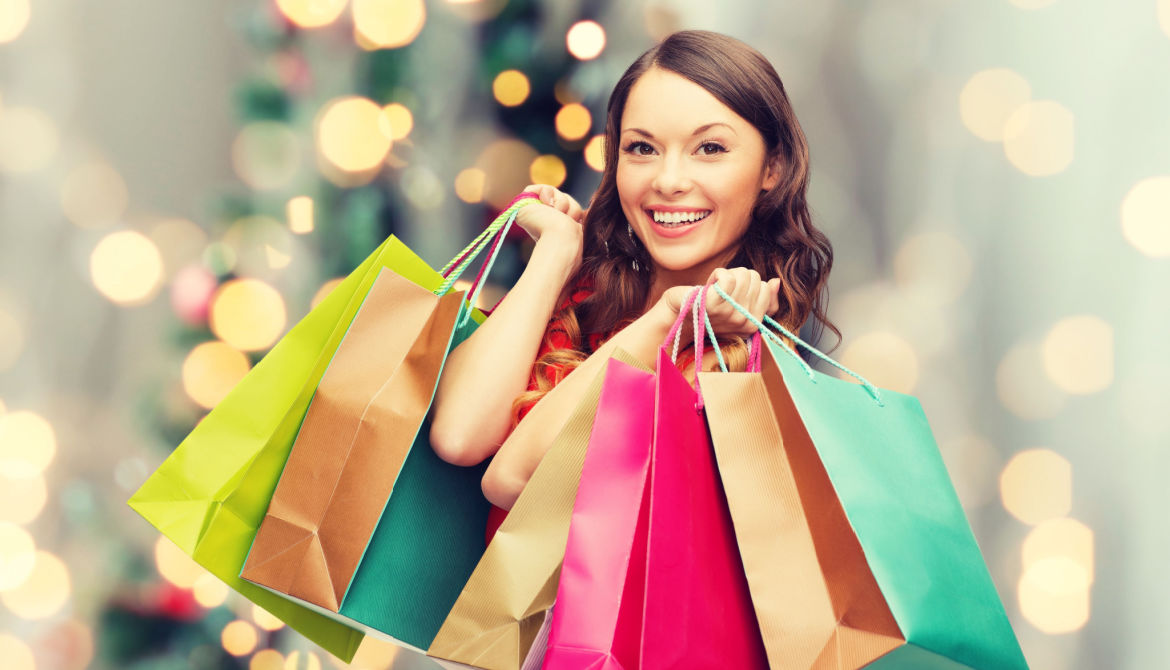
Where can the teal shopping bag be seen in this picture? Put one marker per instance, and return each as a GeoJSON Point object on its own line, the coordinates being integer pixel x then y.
{"type": "Point", "coordinates": [873, 451]}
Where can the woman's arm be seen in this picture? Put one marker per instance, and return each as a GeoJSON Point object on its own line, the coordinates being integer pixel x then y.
{"type": "Point", "coordinates": [518, 457]}
{"type": "Point", "coordinates": [484, 374]}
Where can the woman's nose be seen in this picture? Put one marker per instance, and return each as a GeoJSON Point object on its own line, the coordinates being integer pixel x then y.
{"type": "Point", "coordinates": [671, 177]}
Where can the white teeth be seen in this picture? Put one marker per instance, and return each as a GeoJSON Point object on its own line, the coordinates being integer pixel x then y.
{"type": "Point", "coordinates": [676, 218]}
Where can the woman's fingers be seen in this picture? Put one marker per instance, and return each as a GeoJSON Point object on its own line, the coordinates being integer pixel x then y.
{"type": "Point", "coordinates": [773, 292]}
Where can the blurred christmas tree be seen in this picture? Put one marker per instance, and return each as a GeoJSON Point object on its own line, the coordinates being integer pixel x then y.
{"type": "Point", "coordinates": [357, 121]}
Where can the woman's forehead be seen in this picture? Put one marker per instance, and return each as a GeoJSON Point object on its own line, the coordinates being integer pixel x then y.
{"type": "Point", "coordinates": [665, 104]}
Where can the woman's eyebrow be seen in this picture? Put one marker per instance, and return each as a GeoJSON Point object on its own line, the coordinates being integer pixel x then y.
{"type": "Point", "coordinates": [697, 130]}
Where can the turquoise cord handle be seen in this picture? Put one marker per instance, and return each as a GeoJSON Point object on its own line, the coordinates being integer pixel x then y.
{"type": "Point", "coordinates": [766, 331]}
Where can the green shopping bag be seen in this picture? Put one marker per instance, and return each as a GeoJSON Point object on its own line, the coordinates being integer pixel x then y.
{"type": "Point", "coordinates": [870, 453]}
{"type": "Point", "coordinates": [211, 493]}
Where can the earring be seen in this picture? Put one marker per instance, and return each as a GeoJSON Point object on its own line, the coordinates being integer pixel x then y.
{"type": "Point", "coordinates": [633, 261]}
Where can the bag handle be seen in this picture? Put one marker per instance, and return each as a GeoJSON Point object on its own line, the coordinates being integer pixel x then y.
{"type": "Point", "coordinates": [766, 329]}
{"type": "Point", "coordinates": [494, 235]}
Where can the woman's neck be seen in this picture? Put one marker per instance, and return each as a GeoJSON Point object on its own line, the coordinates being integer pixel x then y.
{"type": "Point", "coordinates": [695, 276]}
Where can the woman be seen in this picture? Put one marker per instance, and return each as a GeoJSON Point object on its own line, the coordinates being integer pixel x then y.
{"type": "Point", "coordinates": [705, 177]}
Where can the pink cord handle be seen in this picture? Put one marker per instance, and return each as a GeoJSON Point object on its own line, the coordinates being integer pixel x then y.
{"type": "Point", "coordinates": [755, 349]}
{"type": "Point", "coordinates": [523, 195]}
{"type": "Point", "coordinates": [682, 315]}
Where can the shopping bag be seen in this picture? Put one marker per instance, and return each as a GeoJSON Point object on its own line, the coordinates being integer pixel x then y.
{"type": "Point", "coordinates": [501, 610]}
{"type": "Point", "coordinates": [210, 494]}
{"type": "Point", "coordinates": [856, 548]}
{"type": "Point", "coordinates": [603, 575]}
{"type": "Point", "coordinates": [665, 587]}
{"type": "Point", "coordinates": [367, 523]}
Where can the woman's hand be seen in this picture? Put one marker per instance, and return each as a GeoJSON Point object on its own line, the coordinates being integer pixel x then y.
{"type": "Point", "coordinates": [744, 286]}
{"type": "Point", "coordinates": [556, 221]}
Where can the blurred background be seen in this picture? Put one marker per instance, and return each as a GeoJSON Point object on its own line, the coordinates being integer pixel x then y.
{"type": "Point", "coordinates": [180, 181]}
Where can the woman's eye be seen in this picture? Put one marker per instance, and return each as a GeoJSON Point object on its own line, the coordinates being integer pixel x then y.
{"type": "Point", "coordinates": [711, 148]}
{"type": "Point", "coordinates": [635, 148]}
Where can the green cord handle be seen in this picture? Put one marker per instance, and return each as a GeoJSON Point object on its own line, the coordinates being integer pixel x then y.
{"type": "Point", "coordinates": [768, 333]}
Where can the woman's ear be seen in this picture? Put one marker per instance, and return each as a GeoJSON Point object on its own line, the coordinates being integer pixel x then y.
{"type": "Point", "coordinates": [771, 173]}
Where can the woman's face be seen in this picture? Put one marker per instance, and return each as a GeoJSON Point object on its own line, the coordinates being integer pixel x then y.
{"type": "Point", "coordinates": [689, 170]}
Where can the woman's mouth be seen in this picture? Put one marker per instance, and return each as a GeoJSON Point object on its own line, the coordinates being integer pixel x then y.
{"type": "Point", "coordinates": [673, 224]}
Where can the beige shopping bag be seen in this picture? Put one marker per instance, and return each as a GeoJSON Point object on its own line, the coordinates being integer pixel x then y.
{"type": "Point", "coordinates": [502, 608]}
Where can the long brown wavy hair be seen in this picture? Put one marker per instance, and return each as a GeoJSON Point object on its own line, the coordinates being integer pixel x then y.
{"type": "Point", "coordinates": [780, 241]}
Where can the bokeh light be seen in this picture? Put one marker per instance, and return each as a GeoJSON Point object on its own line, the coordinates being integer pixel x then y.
{"type": "Point", "coordinates": [11, 339]}
{"type": "Point", "coordinates": [1164, 16]}
{"type": "Point", "coordinates": [126, 267]}
{"type": "Point", "coordinates": [1023, 387]}
{"type": "Point", "coordinates": [28, 139]}
{"type": "Point", "coordinates": [325, 290]}
{"type": "Point", "coordinates": [43, 593]}
{"type": "Point", "coordinates": [22, 499]}
{"type": "Point", "coordinates": [511, 88]}
{"type": "Point", "coordinates": [1078, 354]}
{"type": "Point", "coordinates": [17, 555]}
{"type": "Point", "coordinates": [302, 660]}
{"type": "Point", "coordinates": [348, 134]}
{"type": "Point", "coordinates": [266, 659]}
{"type": "Point", "coordinates": [396, 121]}
{"type": "Point", "coordinates": [1145, 216]}
{"type": "Point", "coordinates": [1060, 538]}
{"type": "Point", "coordinates": [1039, 138]}
{"type": "Point", "coordinates": [27, 444]}
{"type": "Point", "coordinates": [180, 243]}
{"type": "Point", "coordinates": [548, 169]}
{"type": "Point", "coordinates": [585, 40]}
{"type": "Point", "coordinates": [265, 620]}
{"type": "Point", "coordinates": [504, 163]}
{"type": "Point", "coordinates": [1036, 485]}
{"type": "Point", "coordinates": [469, 185]}
{"type": "Point", "coordinates": [248, 314]}
{"type": "Point", "coordinates": [935, 265]}
{"type": "Point", "coordinates": [300, 214]}
{"type": "Point", "coordinates": [573, 121]}
{"type": "Point", "coordinates": [387, 24]}
{"type": "Point", "coordinates": [191, 294]}
{"type": "Point", "coordinates": [209, 591]}
{"type": "Point", "coordinates": [94, 195]}
{"type": "Point", "coordinates": [422, 187]}
{"type": "Point", "coordinates": [175, 566]}
{"type": "Point", "coordinates": [260, 244]}
{"type": "Point", "coordinates": [239, 638]}
{"type": "Point", "coordinates": [884, 359]}
{"type": "Point", "coordinates": [266, 154]}
{"type": "Point", "coordinates": [595, 153]}
{"type": "Point", "coordinates": [1054, 596]}
{"type": "Point", "coordinates": [311, 13]}
{"type": "Point", "coordinates": [16, 654]}
{"type": "Point", "coordinates": [211, 371]}
{"type": "Point", "coordinates": [373, 654]}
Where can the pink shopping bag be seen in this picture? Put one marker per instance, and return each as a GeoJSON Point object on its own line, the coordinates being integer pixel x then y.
{"type": "Point", "coordinates": [604, 566]}
{"type": "Point", "coordinates": [652, 577]}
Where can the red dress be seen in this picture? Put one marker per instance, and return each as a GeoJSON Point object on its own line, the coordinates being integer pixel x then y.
{"type": "Point", "coordinates": [555, 338]}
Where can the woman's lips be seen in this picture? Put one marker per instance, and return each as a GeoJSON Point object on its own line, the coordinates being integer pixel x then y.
{"type": "Point", "coordinates": [677, 230]}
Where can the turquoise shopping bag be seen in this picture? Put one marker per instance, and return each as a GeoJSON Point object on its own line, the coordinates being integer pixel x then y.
{"type": "Point", "coordinates": [852, 479]}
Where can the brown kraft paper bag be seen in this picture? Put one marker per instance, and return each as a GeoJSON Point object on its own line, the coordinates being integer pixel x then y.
{"type": "Point", "coordinates": [356, 434]}
{"type": "Point", "coordinates": [816, 600]}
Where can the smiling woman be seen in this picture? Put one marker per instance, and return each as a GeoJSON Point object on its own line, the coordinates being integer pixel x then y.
{"type": "Point", "coordinates": [706, 170]}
